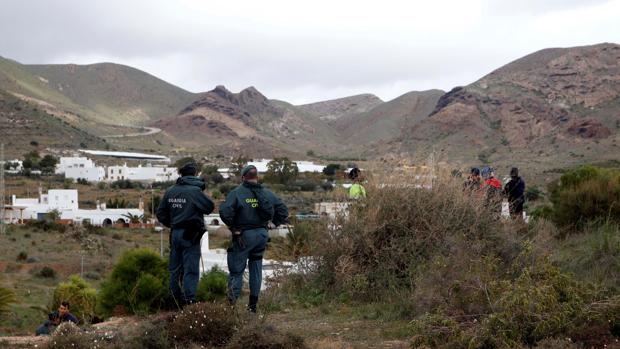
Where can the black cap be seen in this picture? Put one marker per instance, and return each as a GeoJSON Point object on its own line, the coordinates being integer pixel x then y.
{"type": "Point", "coordinates": [475, 171]}
{"type": "Point", "coordinates": [189, 169]}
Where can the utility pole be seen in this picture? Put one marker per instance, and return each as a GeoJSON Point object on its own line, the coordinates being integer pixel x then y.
{"type": "Point", "coordinates": [2, 207]}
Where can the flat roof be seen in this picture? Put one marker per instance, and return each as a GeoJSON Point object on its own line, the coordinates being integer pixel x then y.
{"type": "Point", "coordinates": [126, 155]}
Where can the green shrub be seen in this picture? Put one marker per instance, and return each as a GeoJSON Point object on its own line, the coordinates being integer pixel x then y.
{"type": "Point", "coordinates": [306, 184]}
{"type": "Point", "coordinates": [209, 324]}
{"type": "Point", "coordinates": [68, 335]}
{"type": "Point", "coordinates": [261, 336]}
{"type": "Point", "coordinates": [533, 193]}
{"type": "Point", "coordinates": [81, 296]}
{"type": "Point", "coordinates": [138, 283]}
{"type": "Point", "coordinates": [584, 195]}
{"type": "Point", "coordinates": [462, 276]}
{"type": "Point", "coordinates": [22, 256]}
{"type": "Point", "coordinates": [213, 285]}
{"type": "Point", "coordinates": [7, 297]}
{"type": "Point", "coordinates": [47, 272]}
{"type": "Point", "coordinates": [148, 335]}
{"type": "Point", "coordinates": [593, 256]}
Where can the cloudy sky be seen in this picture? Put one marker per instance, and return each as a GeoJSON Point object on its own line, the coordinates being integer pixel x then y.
{"type": "Point", "coordinates": [303, 51]}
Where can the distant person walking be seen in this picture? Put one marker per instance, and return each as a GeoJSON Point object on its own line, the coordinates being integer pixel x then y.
{"type": "Point", "coordinates": [357, 190]}
{"type": "Point", "coordinates": [182, 209]}
{"type": "Point", "coordinates": [247, 211]}
{"type": "Point", "coordinates": [515, 192]}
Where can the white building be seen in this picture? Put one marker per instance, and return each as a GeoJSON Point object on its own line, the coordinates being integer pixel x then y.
{"type": "Point", "coordinates": [65, 201]}
{"type": "Point", "coordinates": [140, 173]}
{"type": "Point", "coordinates": [261, 167]}
{"type": "Point", "coordinates": [14, 166]}
{"type": "Point", "coordinates": [80, 167]}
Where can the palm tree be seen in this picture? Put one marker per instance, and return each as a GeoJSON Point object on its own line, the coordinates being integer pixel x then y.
{"type": "Point", "coordinates": [134, 218]}
{"type": "Point", "coordinates": [6, 298]}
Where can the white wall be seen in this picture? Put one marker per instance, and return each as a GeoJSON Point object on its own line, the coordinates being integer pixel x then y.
{"type": "Point", "coordinates": [147, 173]}
{"type": "Point", "coordinates": [62, 199]}
{"type": "Point", "coordinates": [66, 163]}
{"type": "Point", "coordinates": [91, 174]}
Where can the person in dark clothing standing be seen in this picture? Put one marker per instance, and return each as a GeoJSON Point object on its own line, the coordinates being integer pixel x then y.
{"type": "Point", "coordinates": [515, 192]}
{"type": "Point", "coordinates": [247, 211]}
{"type": "Point", "coordinates": [182, 209]}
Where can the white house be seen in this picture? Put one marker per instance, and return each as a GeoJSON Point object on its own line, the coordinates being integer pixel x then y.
{"type": "Point", "coordinates": [65, 201]}
{"type": "Point", "coordinates": [14, 166]}
{"type": "Point", "coordinates": [140, 173]}
{"type": "Point", "coordinates": [80, 167]}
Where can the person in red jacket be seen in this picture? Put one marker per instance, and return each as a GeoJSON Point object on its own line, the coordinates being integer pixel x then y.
{"type": "Point", "coordinates": [492, 188]}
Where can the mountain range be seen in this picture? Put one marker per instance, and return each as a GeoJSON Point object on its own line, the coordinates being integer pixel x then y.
{"type": "Point", "coordinates": [553, 108]}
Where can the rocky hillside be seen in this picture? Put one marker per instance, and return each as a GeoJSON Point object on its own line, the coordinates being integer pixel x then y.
{"type": "Point", "coordinates": [103, 93]}
{"type": "Point", "coordinates": [248, 122]}
{"type": "Point", "coordinates": [337, 108]}
{"type": "Point", "coordinates": [385, 121]}
{"type": "Point", "coordinates": [24, 125]}
{"type": "Point", "coordinates": [553, 107]}
{"type": "Point", "coordinates": [118, 92]}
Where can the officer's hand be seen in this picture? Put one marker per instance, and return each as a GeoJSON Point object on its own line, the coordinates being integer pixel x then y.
{"type": "Point", "coordinates": [270, 226]}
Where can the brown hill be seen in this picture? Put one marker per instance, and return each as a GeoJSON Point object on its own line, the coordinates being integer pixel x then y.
{"type": "Point", "coordinates": [337, 108]}
{"type": "Point", "coordinates": [552, 108]}
{"type": "Point", "coordinates": [114, 92]}
{"type": "Point", "coordinates": [249, 123]}
{"type": "Point", "coordinates": [22, 123]}
{"type": "Point", "coordinates": [384, 121]}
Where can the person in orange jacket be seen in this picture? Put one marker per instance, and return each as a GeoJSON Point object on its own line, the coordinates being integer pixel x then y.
{"type": "Point", "coordinates": [492, 188]}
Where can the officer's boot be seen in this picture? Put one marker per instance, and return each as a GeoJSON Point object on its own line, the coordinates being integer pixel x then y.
{"type": "Point", "coordinates": [253, 303]}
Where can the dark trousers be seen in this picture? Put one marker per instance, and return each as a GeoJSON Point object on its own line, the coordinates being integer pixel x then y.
{"type": "Point", "coordinates": [516, 208]}
{"type": "Point", "coordinates": [246, 249]}
{"type": "Point", "coordinates": [184, 267]}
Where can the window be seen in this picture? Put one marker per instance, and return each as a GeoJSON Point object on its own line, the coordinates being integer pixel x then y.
{"type": "Point", "coordinates": [111, 171]}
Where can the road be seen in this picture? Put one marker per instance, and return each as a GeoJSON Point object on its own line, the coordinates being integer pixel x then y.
{"type": "Point", "coordinates": [145, 131]}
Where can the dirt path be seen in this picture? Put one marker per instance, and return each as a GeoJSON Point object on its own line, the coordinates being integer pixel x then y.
{"type": "Point", "coordinates": [145, 131]}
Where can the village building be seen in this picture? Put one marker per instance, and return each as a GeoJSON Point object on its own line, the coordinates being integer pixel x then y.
{"type": "Point", "coordinates": [142, 173]}
{"type": "Point", "coordinates": [65, 202]}
{"type": "Point", "coordinates": [80, 168]}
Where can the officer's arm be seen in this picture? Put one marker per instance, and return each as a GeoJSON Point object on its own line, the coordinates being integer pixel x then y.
{"type": "Point", "coordinates": [264, 201]}
{"type": "Point", "coordinates": [280, 211]}
{"type": "Point", "coordinates": [227, 209]}
{"type": "Point", "coordinates": [163, 212]}
{"type": "Point", "coordinates": [203, 203]}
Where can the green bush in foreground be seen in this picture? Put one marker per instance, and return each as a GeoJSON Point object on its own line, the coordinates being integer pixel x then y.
{"type": "Point", "coordinates": [81, 296]}
{"type": "Point", "coordinates": [211, 324]}
{"type": "Point", "coordinates": [463, 277]}
{"type": "Point", "coordinates": [138, 283]}
{"type": "Point", "coordinates": [213, 285]}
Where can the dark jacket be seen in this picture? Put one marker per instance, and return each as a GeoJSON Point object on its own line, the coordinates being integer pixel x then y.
{"type": "Point", "coordinates": [184, 204]}
{"type": "Point", "coordinates": [69, 317]}
{"type": "Point", "coordinates": [251, 206]}
{"type": "Point", "coordinates": [515, 190]}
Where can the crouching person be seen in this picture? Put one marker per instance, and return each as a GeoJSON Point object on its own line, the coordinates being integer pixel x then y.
{"type": "Point", "coordinates": [55, 318]}
{"type": "Point", "coordinates": [247, 211]}
{"type": "Point", "coordinates": [182, 209]}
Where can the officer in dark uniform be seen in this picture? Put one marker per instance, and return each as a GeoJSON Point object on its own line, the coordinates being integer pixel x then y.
{"type": "Point", "coordinates": [182, 209]}
{"type": "Point", "coordinates": [247, 211]}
